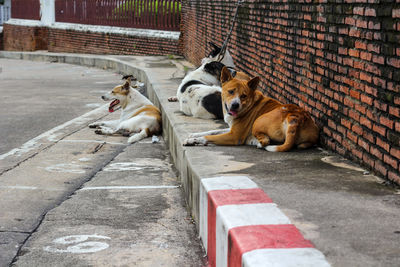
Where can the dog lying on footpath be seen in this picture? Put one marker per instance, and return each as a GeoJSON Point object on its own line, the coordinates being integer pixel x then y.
{"type": "Point", "coordinates": [199, 93]}
{"type": "Point", "coordinates": [227, 60]}
{"type": "Point", "coordinates": [139, 117]}
{"type": "Point", "coordinates": [255, 119]}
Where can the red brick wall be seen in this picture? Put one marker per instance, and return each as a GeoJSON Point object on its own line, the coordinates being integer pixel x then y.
{"type": "Point", "coordinates": [104, 43]}
{"type": "Point", "coordinates": [23, 38]}
{"type": "Point", "coordinates": [340, 60]}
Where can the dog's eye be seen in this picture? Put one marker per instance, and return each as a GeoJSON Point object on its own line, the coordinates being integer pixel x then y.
{"type": "Point", "coordinates": [243, 96]}
{"type": "Point", "coordinates": [231, 92]}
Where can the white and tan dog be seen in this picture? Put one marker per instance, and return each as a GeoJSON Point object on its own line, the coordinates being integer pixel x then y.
{"type": "Point", "coordinates": [139, 117]}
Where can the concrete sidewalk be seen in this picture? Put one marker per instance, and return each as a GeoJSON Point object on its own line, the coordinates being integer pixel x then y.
{"type": "Point", "coordinates": [351, 216]}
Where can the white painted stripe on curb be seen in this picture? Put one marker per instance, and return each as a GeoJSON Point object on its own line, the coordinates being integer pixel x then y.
{"type": "Point", "coordinates": [228, 182]}
{"type": "Point", "coordinates": [51, 134]}
{"type": "Point", "coordinates": [217, 183]}
{"type": "Point", "coordinates": [231, 216]}
{"type": "Point", "coordinates": [284, 257]}
{"type": "Point", "coordinates": [129, 187]}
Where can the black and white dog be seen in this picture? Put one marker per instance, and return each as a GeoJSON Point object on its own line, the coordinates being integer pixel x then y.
{"type": "Point", "coordinates": [214, 54]}
{"type": "Point", "coordinates": [199, 93]}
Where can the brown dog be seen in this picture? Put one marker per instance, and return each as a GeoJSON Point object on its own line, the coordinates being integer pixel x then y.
{"type": "Point", "coordinates": [255, 119]}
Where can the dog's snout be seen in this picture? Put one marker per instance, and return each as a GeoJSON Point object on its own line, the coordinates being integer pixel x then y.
{"type": "Point", "coordinates": [103, 97]}
{"type": "Point", "coordinates": [235, 105]}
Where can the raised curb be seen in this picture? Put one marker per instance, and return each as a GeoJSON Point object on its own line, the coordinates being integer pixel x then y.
{"type": "Point", "coordinates": [241, 226]}
{"type": "Point", "coordinates": [196, 191]}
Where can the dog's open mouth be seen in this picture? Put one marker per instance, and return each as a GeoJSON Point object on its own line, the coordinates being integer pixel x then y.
{"type": "Point", "coordinates": [231, 112]}
{"type": "Point", "coordinates": [112, 105]}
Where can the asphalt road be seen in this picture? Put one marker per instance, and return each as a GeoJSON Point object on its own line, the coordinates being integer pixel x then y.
{"type": "Point", "coordinates": [37, 96]}
{"type": "Point", "coordinates": [69, 197]}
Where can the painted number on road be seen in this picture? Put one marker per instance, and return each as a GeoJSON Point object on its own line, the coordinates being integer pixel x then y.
{"type": "Point", "coordinates": [78, 244]}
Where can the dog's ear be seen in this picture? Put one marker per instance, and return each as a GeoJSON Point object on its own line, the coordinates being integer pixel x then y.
{"type": "Point", "coordinates": [253, 83]}
{"type": "Point", "coordinates": [127, 84]}
{"type": "Point", "coordinates": [214, 45]}
{"type": "Point", "coordinates": [125, 77]}
{"type": "Point", "coordinates": [225, 75]}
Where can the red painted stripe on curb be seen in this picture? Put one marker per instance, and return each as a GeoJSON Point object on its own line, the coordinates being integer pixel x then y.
{"type": "Point", "coordinates": [247, 238]}
{"type": "Point", "coordinates": [218, 198]}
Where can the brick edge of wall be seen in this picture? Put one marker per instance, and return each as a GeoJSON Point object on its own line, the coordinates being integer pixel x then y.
{"type": "Point", "coordinates": [31, 38]}
{"type": "Point", "coordinates": [61, 40]}
{"type": "Point", "coordinates": [24, 38]}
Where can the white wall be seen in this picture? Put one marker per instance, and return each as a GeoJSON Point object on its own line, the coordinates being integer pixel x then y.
{"type": "Point", "coordinates": [47, 12]}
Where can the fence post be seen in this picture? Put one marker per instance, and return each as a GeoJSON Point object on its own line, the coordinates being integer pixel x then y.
{"type": "Point", "coordinates": [47, 12]}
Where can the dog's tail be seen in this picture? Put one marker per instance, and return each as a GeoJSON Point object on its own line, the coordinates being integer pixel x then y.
{"type": "Point", "coordinates": [295, 118]}
{"type": "Point", "coordinates": [292, 122]}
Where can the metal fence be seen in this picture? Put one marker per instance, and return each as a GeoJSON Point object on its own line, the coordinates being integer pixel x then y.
{"type": "Point", "coordinates": [145, 14]}
{"type": "Point", "coordinates": [25, 9]}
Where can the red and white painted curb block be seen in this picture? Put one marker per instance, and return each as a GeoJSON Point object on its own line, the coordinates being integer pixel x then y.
{"type": "Point", "coordinates": [241, 226]}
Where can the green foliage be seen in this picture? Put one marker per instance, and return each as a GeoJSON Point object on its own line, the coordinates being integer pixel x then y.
{"type": "Point", "coordinates": [138, 7]}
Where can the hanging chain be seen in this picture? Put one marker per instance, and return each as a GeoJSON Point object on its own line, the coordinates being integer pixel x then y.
{"type": "Point", "coordinates": [228, 37]}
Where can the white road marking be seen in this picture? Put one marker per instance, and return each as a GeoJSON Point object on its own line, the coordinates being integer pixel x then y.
{"type": "Point", "coordinates": [100, 91]}
{"type": "Point", "coordinates": [85, 159]}
{"type": "Point", "coordinates": [51, 135]}
{"type": "Point", "coordinates": [70, 239]}
{"type": "Point", "coordinates": [103, 82]}
{"type": "Point", "coordinates": [133, 166]}
{"type": "Point", "coordinates": [93, 105]}
{"type": "Point", "coordinates": [20, 187]}
{"type": "Point", "coordinates": [129, 187]}
{"type": "Point", "coordinates": [80, 247]}
{"type": "Point", "coordinates": [65, 167]}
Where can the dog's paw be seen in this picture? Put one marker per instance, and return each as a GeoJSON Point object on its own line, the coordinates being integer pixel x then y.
{"type": "Point", "coordinates": [196, 135]}
{"type": "Point", "coordinates": [124, 132]}
{"type": "Point", "coordinates": [94, 125]}
{"type": "Point", "coordinates": [172, 99]}
{"type": "Point", "coordinates": [195, 141]}
{"type": "Point", "coordinates": [98, 131]}
{"type": "Point", "coordinates": [271, 148]}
